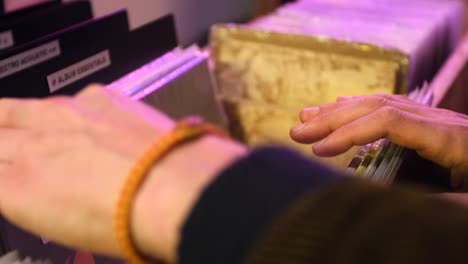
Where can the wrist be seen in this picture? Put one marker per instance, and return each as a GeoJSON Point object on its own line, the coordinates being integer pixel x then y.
{"type": "Point", "coordinates": [172, 188]}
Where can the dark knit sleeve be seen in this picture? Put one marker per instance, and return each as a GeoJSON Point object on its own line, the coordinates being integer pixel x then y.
{"type": "Point", "coordinates": [242, 201]}
{"type": "Point", "coordinates": [353, 222]}
{"type": "Point", "coordinates": [276, 207]}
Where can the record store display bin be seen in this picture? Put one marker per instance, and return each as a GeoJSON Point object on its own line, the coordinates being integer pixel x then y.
{"type": "Point", "coordinates": [251, 78]}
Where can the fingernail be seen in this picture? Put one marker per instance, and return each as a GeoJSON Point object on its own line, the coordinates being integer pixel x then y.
{"type": "Point", "coordinates": [307, 113]}
{"type": "Point", "coordinates": [344, 98]}
{"type": "Point", "coordinates": [317, 146]}
{"type": "Point", "coordinates": [311, 110]}
{"type": "Point", "coordinates": [321, 142]}
{"type": "Point", "coordinates": [298, 127]}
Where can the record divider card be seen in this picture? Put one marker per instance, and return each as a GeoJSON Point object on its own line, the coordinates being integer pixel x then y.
{"type": "Point", "coordinates": [97, 50]}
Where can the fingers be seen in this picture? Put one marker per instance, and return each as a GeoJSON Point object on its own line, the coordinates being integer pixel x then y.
{"type": "Point", "coordinates": [436, 134]}
{"type": "Point", "coordinates": [68, 113]}
{"type": "Point", "coordinates": [53, 112]}
{"type": "Point", "coordinates": [373, 101]}
{"type": "Point", "coordinates": [91, 91]}
{"type": "Point", "coordinates": [403, 128]}
{"type": "Point", "coordinates": [95, 96]}
{"type": "Point", "coordinates": [103, 101]}
{"type": "Point", "coordinates": [394, 97]}
{"type": "Point", "coordinates": [16, 112]}
{"type": "Point", "coordinates": [332, 116]}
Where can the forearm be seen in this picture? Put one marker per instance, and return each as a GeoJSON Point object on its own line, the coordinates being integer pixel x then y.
{"type": "Point", "coordinates": [172, 188]}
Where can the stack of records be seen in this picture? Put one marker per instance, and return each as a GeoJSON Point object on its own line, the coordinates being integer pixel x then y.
{"type": "Point", "coordinates": [308, 53]}
{"type": "Point", "coordinates": [380, 161]}
{"type": "Point", "coordinates": [178, 83]}
{"type": "Point", "coordinates": [424, 30]}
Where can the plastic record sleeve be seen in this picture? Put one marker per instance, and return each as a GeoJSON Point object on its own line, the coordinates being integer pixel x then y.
{"type": "Point", "coordinates": [380, 161]}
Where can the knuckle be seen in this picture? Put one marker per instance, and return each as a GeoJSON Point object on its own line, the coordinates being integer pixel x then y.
{"type": "Point", "coordinates": [56, 107]}
{"type": "Point", "coordinates": [92, 90]}
{"type": "Point", "coordinates": [382, 99]}
{"type": "Point", "coordinates": [447, 139]}
{"type": "Point", "coordinates": [400, 96]}
{"type": "Point", "coordinates": [59, 100]}
{"type": "Point", "coordinates": [9, 106]}
{"type": "Point", "coordinates": [376, 101]}
{"type": "Point", "coordinates": [51, 104]}
{"type": "Point", "coordinates": [94, 87]}
{"type": "Point", "coordinates": [384, 96]}
{"type": "Point", "coordinates": [38, 137]}
{"type": "Point", "coordinates": [391, 114]}
{"type": "Point", "coordinates": [8, 101]}
{"type": "Point", "coordinates": [33, 144]}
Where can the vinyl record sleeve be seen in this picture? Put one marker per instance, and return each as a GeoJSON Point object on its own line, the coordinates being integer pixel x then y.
{"type": "Point", "coordinates": [98, 50]}
{"type": "Point", "coordinates": [19, 29]}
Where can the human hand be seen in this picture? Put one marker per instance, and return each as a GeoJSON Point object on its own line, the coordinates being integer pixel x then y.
{"type": "Point", "coordinates": [436, 134]}
{"type": "Point", "coordinates": [64, 160]}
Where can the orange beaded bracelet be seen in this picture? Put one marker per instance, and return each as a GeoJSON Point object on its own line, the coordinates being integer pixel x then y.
{"type": "Point", "coordinates": [185, 130]}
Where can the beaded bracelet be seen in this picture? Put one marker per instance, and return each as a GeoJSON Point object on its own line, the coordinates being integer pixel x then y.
{"type": "Point", "coordinates": [186, 129]}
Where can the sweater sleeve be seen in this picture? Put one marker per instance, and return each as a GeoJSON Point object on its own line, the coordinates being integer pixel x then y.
{"type": "Point", "coordinates": [355, 222]}
{"type": "Point", "coordinates": [276, 207]}
{"type": "Point", "coordinates": [243, 199]}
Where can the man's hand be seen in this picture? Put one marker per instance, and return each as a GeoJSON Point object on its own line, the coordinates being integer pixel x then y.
{"type": "Point", "coordinates": [436, 134]}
